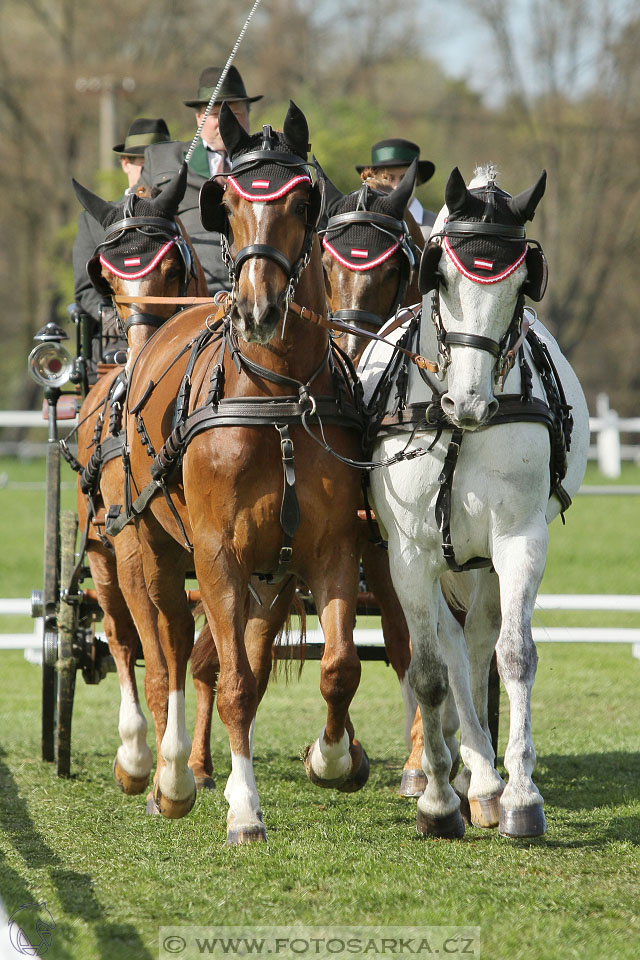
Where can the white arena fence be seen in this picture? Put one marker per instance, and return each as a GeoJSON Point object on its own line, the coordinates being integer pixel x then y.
{"type": "Point", "coordinates": [606, 429]}
{"type": "Point", "coordinates": [31, 643]}
{"type": "Point", "coordinates": [607, 448]}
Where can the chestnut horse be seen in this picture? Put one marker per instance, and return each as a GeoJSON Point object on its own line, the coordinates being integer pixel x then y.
{"type": "Point", "coordinates": [145, 253]}
{"type": "Point", "coordinates": [371, 248]}
{"type": "Point", "coordinates": [225, 413]}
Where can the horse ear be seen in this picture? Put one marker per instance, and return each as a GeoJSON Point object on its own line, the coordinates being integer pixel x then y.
{"type": "Point", "coordinates": [169, 200]}
{"type": "Point", "coordinates": [523, 206]}
{"type": "Point", "coordinates": [296, 131]}
{"type": "Point", "coordinates": [399, 198]}
{"type": "Point", "coordinates": [213, 216]}
{"type": "Point", "coordinates": [98, 208]}
{"type": "Point", "coordinates": [332, 195]}
{"type": "Point", "coordinates": [456, 194]}
{"type": "Point", "coordinates": [428, 272]}
{"type": "Point", "coordinates": [234, 136]}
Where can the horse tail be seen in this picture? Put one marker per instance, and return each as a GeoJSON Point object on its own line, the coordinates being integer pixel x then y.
{"type": "Point", "coordinates": [457, 588]}
{"type": "Point", "coordinates": [205, 663]}
{"type": "Point", "coordinates": [285, 651]}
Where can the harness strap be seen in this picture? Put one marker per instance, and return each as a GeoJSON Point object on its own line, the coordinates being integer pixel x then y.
{"type": "Point", "coordinates": [443, 508]}
{"type": "Point", "coordinates": [290, 508]}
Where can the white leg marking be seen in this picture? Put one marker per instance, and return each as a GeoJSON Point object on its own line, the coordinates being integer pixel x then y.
{"type": "Point", "coordinates": [241, 793]}
{"type": "Point", "coordinates": [176, 778]}
{"type": "Point", "coordinates": [331, 761]}
{"type": "Point", "coordinates": [134, 756]}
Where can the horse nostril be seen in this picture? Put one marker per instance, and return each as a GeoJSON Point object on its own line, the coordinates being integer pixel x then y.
{"type": "Point", "coordinates": [447, 404]}
{"type": "Point", "coordinates": [492, 408]}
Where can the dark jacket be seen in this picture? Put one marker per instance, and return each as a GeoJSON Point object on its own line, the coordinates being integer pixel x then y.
{"type": "Point", "coordinates": [161, 163]}
{"type": "Point", "coordinates": [89, 235]}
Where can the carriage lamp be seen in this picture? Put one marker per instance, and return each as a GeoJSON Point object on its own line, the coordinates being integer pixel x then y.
{"type": "Point", "coordinates": [49, 363]}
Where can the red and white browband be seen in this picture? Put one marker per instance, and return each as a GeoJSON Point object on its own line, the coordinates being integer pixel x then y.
{"type": "Point", "coordinates": [134, 266]}
{"type": "Point", "coordinates": [483, 263]}
{"type": "Point", "coordinates": [357, 253]}
{"type": "Point", "coordinates": [261, 187]}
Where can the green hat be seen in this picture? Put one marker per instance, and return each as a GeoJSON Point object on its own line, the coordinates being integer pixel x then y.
{"type": "Point", "coordinates": [399, 153]}
{"type": "Point", "coordinates": [142, 133]}
{"type": "Point", "coordinates": [232, 88]}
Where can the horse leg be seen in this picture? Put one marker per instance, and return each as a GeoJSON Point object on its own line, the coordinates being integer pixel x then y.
{"type": "Point", "coordinates": [438, 812]}
{"type": "Point", "coordinates": [336, 758]}
{"type": "Point", "coordinates": [133, 760]}
{"type": "Point", "coordinates": [520, 572]}
{"type": "Point", "coordinates": [479, 784]}
{"type": "Point", "coordinates": [205, 666]}
{"type": "Point", "coordinates": [225, 599]}
{"type": "Point", "coordinates": [164, 562]}
{"type": "Point", "coordinates": [394, 626]}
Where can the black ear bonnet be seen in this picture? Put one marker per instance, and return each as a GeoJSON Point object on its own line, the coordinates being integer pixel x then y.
{"type": "Point", "coordinates": [486, 254]}
{"type": "Point", "coordinates": [264, 167]}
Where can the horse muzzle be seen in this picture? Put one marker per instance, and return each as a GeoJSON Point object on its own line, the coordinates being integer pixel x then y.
{"type": "Point", "coordinates": [470, 412]}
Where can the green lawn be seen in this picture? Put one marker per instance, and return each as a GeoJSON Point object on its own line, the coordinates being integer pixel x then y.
{"type": "Point", "coordinates": [111, 876]}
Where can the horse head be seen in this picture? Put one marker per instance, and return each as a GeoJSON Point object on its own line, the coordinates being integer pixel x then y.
{"type": "Point", "coordinates": [369, 254]}
{"type": "Point", "coordinates": [479, 265]}
{"type": "Point", "coordinates": [266, 212]}
{"type": "Point", "coordinates": [145, 251]}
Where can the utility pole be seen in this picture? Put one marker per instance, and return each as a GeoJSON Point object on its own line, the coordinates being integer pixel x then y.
{"type": "Point", "coordinates": [107, 87]}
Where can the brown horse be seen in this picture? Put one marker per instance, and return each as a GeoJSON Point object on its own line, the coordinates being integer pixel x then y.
{"type": "Point", "coordinates": [146, 253]}
{"type": "Point", "coordinates": [225, 417]}
{"type": "Point", "coordinates": [372, 246]}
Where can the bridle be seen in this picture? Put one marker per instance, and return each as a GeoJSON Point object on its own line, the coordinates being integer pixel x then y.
{"type": "Point", "coordinates": [398, 232]}
{"type": "Point", "coordinates": [160, 229]}
{"type": "Point", "coordinates": [505, 350]}
{"type": "Point", "coordinates": [251, 162]}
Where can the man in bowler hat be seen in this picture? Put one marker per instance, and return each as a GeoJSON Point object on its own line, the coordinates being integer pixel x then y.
{"type": "Point", "coordinates": [161, 162]}
{"type": "Point", "coordinates": [142, 132]}
{"type": "Point", "coordinates": [390, 160]}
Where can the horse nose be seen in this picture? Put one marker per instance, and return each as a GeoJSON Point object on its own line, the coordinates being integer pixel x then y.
{"type": "Point", "coordinates": [257, 321]}
{"type": "Point", "coordinates": [470, 413]}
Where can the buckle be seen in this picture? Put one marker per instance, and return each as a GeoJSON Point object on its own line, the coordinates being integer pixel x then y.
{"type": "Point", "coordinates": [283, 442]}
{"type": "Point", "coordinates": [286, 553]}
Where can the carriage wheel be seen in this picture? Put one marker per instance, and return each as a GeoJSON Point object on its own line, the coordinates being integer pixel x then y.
{"type": "Point", "coordinates": [68, 625]}
{"type": "Point", "coordinates": [50, 598]}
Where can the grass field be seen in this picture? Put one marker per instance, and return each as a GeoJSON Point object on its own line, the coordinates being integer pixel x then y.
{"type": "Point", "coordinates": [111, 876]}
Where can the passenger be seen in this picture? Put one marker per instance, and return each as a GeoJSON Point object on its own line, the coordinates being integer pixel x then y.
{"type": "Point", "coordinates": [161, 161]}
{"type": "Point", "coordinates": [390, 160]}
{"type": "Point", "coordinates": [142, 132]}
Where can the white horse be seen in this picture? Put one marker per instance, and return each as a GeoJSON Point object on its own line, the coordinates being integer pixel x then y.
{"type": "Point", "coordinates": [487, 489]}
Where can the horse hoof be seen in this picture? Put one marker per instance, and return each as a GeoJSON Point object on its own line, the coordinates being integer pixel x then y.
{"type": "Point", "coordinates": [413, 783]}
{"type": "Point", "coordinates": [127, 783]}
{"type": "Point", "coordinates": [172, 809]}
{"type": "Point", "coordinates": [450, 827]}
{"type": "Point", "coordinates": [254, 834]}
{"type": "Point", "coordinates": [485, 811]}
{"type": "Point", "coordinates": [151, 809]}
{"type": "Point", "coordinates": [205, 783]}
{"type": "Point", "coordinates": [356, 781]}
{"type": "Point", "coordinates": [525, 822]}
{"type": "Point", "coordinates": [313, 776]}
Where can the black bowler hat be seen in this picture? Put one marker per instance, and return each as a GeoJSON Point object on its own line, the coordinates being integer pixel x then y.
{"type": "Point", "coordinates": [232, 87]}
{"type": "Point", "coordinates": [142, 133]}
{"type": "Point", "coordinates": [399, 153]}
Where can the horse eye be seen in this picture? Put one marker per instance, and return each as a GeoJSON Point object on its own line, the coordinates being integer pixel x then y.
{"type": "Point", "coordinates": [300, 208]}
